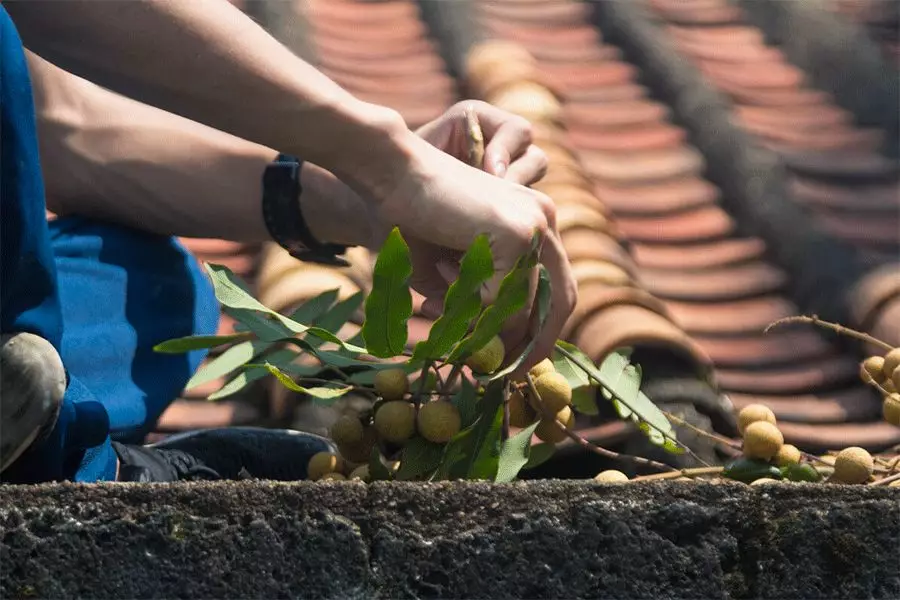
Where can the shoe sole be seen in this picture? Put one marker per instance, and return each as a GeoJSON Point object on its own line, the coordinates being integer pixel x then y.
{"type": "Point", "coordinates": [32, 386]}
{"type": "Point", "coordinates": [173, 439]}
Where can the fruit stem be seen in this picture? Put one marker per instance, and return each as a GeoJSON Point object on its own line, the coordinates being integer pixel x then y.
{"type": "Point", "coordinates": [681, 473]}
{"type": "Point", "coordinates": [447, 388]}
{"type": "Point", "coordinates": [537, 403]}
{"type": "Point", "coordinates": [423, 381]}
{"type": "Point", "coordinates": [474, 139]}
{"type": "Point", "coordinates": [887, 480]}
{"type": "Point", "coordinates": [836, 327]}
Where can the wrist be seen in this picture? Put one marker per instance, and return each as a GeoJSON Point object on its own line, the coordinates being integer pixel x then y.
{"type": "Point", "coordinates": [374, 150]}
{"type": "Point", "coordinates": [333, 212]}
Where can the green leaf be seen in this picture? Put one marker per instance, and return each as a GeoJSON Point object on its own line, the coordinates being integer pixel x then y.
{"type": "Point", "coordinates": [801, 472]}
{"type": "Point", "coordinates": [540, 453]}
{"type": "Point", "coordinates": [543, 305]}
{"type": "Point", "coordinates": [419, 457]}
{"type": "Point", "coordinates": [332, 359]}
{"type": "Point", "coordinates": [377, 470]}
{"type": "Point", "coordinates": [749, 470]}
{"type": "Point", "coordinates": [389, 305]}
{"type": "Point", "coordinates": [228, 361]}
{"type": "Point", "coordinates": [238, 383]}
{"type": "Point", "coordinates": [511, 298]}
{"type": "Point", "coordinates": [481, 454]}
{"type": "Point", "coordinates": [462, 302]}
{"type": "Point", "coordinates": [643, 411]}
{"type": "Point", "coordinates": [323, 394]}
{"type": "Point", "coordinates": [574, 374]}
{"type": "Point", "coordinates": [514, 454]}
{"type": "Point", "coordinates": [196, 342]}
{"type": "Point", "coordinates": [267, 324]}
{"type": "Point", "coordinates": [584, 399]}
{"type": "Point", "coordinates": [313, 308]}
{"type": "Point", "coordinates": [627, 384]}
{"type": "Point", "coordinates": [466, 402]}
{"type": "Point", "coordinates": [338, 316]}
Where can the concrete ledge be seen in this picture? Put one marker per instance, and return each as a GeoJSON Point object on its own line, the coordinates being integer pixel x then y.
{"type": "Point", "coordinates": [548, 539]}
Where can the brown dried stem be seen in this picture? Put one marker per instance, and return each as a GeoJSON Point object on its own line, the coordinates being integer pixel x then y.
{"type": "Point", "coordinates": [682, 473]}
{"type": "Point", "coordinates": [474, 139]}
{"type": "Point", "coordinates": [836, 327]}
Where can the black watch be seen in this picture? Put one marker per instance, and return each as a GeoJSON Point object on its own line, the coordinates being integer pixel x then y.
{"type": "Point", "coordinates": [284, 219]}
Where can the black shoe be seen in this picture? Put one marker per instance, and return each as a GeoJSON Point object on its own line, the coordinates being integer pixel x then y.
{"type": "Point", "coordinates": [32, 386]}
{"type": "Point", "coordinates": [227, 453]}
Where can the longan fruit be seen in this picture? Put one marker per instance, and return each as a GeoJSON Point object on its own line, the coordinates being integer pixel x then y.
{"type": "Point", "coordinates": [521, 415]}
{"type": "Point", "coordinates": [323, 463]}
{"type": "Point", "coordinates": [488, 358]}
{"type": "Point", "coordinates": [895, 483]}
{"type": "Point", "coordinates": [347, 430]}
{"type": "Point", "coordinates": [764, 481]}
{"type": "Point", "coordinates": [438, 421]}
{"type": "Point", "coordinates": [611, 476]}
{"type": "Point", "coordinates": [391, 384]}
{"type": "Point", "coordinates": [753, 413]}
{"type": "Point", "coordinates": [891, 362]}
{"type": "Point", "coordinates": [853, 465]}
{"type": "Point", "coordinates": [362, 450]}
{"type": "Point", "coordinates": [548, 431]}
{"type": "Point", "coordinates": [361, 472]}
{"type": "Point", "coordinates": [554, 390]}
{"type": "Point", "coordinates": [871, 369]}
{"type": "Point", "coordinates": [332, 477]}
{"type": "Point", "coordinates": [762, 440]}
{"type": "Point", "coordinates": [788, 454]}
{"type": "Point", "coordinates": [545, 366]}
{"type": "Point", "coordinates": [889, 386]}
{"type": "Point", "coordinates": [395, 421]}
{"type": "Point", "coordinates": [891, 409]}
{"type": "Point", "coordinates": [895, 379]}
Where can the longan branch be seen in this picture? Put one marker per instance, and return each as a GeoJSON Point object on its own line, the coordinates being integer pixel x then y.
{"type": "Point", "coordinates": [836, 327]}
{"type": "Point", "coordinates": [618, 398]}
{"type": "Point", "coordinates": [537, 404]}
{"type": "Point", "coordinates": [887, 480]}
{"type": "Point", "coordinates": [681, 473]}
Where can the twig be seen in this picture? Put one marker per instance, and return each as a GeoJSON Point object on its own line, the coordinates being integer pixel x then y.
{"type": "Point", "coordinates": [887, 480]}
{"type": "Point", "coordinates": [422, 383]}
{"type": "Point", "coordinates": [451, 379]}
{"type": "Point", "coordinates": [681, 473]}
{"type": "Point", "coordinates": [537, 404]}
{"type": "Point", "coordinates": [836, 327]}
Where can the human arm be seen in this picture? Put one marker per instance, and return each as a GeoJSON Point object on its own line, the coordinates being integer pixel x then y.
{"type": "Point", "coordinates": [206, 60]}
{"type": "Point", "coordinates": [114, 159]}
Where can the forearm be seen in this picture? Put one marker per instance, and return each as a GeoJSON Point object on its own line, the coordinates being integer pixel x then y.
{"type": "Point", "coordinates": [206, 60]}
{"type": "Point", "coordinates": [117, 160]}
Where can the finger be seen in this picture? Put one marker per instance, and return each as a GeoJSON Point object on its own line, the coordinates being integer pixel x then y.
{"type": "Point", "coordinates": [563, 296]}
{"type": "Point", "coordinates": [529, 168]}
{"type": "Point", "coordinates": [432, 308]}
{"type": "Point", "coordinates": [509, 142]}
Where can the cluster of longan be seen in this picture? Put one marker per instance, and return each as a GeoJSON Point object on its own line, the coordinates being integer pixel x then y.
{"type": "Point", "coordinates": [764, 441]}
{"type": "Point", "coordinates": [883, 372]}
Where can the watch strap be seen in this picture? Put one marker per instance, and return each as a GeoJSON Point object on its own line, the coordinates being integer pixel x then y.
{"type": "Point", "coordinates": [284, 217]}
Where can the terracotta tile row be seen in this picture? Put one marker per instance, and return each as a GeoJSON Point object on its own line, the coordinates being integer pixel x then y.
{"type": "Point", "coordinates": [881, 18]}
{"type": "Point", "coordinates": [690, 256]}
{"type": "Point", "coordinates": [382, 53]}
{"type": "Point", "coordinates": [614, 307]}
{"type": "Point", "coordinates": [838, 170]}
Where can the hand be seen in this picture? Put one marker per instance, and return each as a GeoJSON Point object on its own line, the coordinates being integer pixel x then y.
{"type": "Point", "coordinates": [442, 204]}
{"type": "Point", "coordinates": [508, 151]}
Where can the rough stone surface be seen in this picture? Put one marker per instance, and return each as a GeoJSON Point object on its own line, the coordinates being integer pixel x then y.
{"type": "Point", "coordinates": [548, 539]}
{"type": "Point", "coordinates": [753, 179]}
